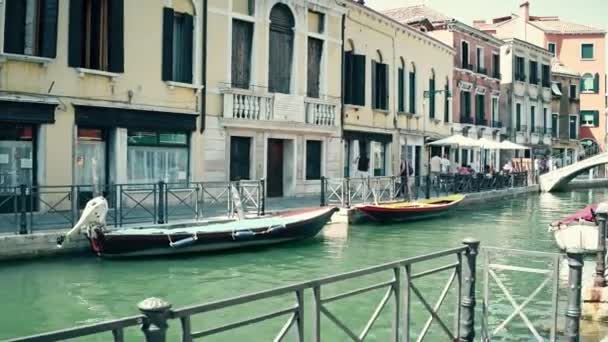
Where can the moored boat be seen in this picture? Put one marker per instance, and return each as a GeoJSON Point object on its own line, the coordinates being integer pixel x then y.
{"type": "Point", "coordinates": [577, 231]}
{"type": "Point", "coordinates": [411, 211]}
{"type": "Point", "coordinates": [206, 237]}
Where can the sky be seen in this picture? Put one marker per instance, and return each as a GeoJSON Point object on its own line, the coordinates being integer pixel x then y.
{"type": "Point", "coordinates": [586, 12]}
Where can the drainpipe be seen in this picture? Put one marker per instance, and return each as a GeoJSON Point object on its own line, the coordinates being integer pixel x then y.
{"type": "Point", "coordinates": [204, 71]}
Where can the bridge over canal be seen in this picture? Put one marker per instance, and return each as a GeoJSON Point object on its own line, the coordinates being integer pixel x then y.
{"type": "Point", "coordinates": [555, 179]}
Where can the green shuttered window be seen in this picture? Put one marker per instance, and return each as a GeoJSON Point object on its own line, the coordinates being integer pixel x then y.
{"type": "Point", "coordinates": [30, 27]}
{"type": "Point", "coordinates": [379, 86]}
{"type": "Point", "coordinates": [587, 51]}
{"type": "Point", "coordinates": [401, 93]}
{"type": "Point", "coordinates": [354, 79]}
{"type": "Point", "coordinates": [412, 92]}
{"type": "Point", "coordinates": [590, 118]}
{"type": "Point", "coordinates": [178, 29]}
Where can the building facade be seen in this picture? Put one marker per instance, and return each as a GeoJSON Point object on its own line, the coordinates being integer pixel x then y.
{"type": "Point", "coordinates": [565, 114]}
{"type": "Point", "coordinates": [579, 47]}
{"type": "Point", "coordinates": [87, 97]}
{"type": "Point", "coordinates": [397, 89]}
{"type": "Point", "coordinates": [526, 95]}
{"type": "Point", "coordinates": [476, 76]}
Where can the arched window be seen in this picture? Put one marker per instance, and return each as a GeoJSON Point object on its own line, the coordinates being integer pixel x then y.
{"type": "Point", "coordinates": [412, 83]}
{"type": "Point", "coordinates": [380, 78]}
{"type": "Point", "coordinates": [354, 76]}
{"type": "Point", "coordinates": [588, 83]}
{"type": "Point", "coordinates": [401, 86]}
{"type": "Point", "coordinates": [281, 49]}
{"type": "Point", "coordinates": [432, 94]}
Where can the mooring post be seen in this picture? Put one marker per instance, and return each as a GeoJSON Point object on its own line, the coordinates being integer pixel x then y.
{"type": "Point", "coordinates": [573, 312]}
{"type": "Point", "coordinates": [155, 324]}
{"type": "Point", "coordinates": [428, 185]}
{"type": "Point", "coordinates": [22, 209]}
{"type": "Point", "coordinates": [323, 203]}
{"type": "Point", "coordinates": [161, 202]}
{"type": "Point", "coordinates": [347, 192]}
{"type": "Point", "coordinates": [467, 299]}
{"type": "Point", "coordinates": [262, 191]}
{"type": "Point", "coordinates": [602, 216]}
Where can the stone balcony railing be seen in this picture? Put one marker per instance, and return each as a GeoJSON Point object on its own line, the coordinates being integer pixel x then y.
{"type": "Point", "coordinates": [245, 104]}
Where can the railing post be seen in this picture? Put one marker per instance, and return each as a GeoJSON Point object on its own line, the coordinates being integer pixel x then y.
{"type": "Point", "coordinates": [428, 186]}
{"type": "Point", "coordinates": [23, 209]}
{"type": "Point", "coordinates": [323, 184]}
{"type": "Point", "coordinates": [74, 190]}
{"type": "Point", "coordinates": [155, 325]}
{"type": "Point", "coordinates": [573, 312]}
{"type": "Point", "coordinates": [347, 192]}
{"type": "Point", "coordinates": [602, 216]}
{"type": "Point", "coordinates": [263, 193]}
{"type": "Point", "coordinates": [161, 202]}
{"type": "Point", "coordinates": [467, 299]}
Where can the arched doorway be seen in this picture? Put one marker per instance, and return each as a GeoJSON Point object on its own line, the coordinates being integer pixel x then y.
{"type": "Point", "coordinates": [281, 49]}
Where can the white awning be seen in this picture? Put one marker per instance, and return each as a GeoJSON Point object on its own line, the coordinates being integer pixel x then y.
{"type": "Point", "coordinates": [555, 89]}
{"type": "Point", "coordinates": [507, 145]}
{"type": "Point", "coordinates": [457, 140]}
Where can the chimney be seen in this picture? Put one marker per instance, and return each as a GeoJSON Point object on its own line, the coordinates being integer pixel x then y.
{"type": "Point", "coordinates": [524, 11]}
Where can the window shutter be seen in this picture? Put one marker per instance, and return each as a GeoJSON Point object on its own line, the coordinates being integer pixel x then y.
{"type": "Point", "coordinates": [75, 35]}
{"type": "Point", "coordinates": [116, 54]}
{"type": "Point", "coordinates": [384, 86]}
{"type": "Point", "coordinates": [359, 80]}
{"type": "Point", "coordinates": [188, 50]}
{"type": "Point", "coordinates": [596, 83]}
{"type": "Point", "coordinates": [446, 104]}
{"type": "Point", "coordinates": [400, 94]}
{"type": "Point", "coordinates": [432, 98]}
{"type": "Point", "coordinates": [168, 17]}
{"type": "Point", "coordinates": [14, 26]}
{"type": "Point", "coordinates": [413, 92]}
{"type": "Point", "coordinates": [374, 86]}
{"type": "Point", "coordinates": [596, 118]}
{"type": "Point", "coordinates": [48, 34]}
{"type": "Point", "coordinates": [348, 77]}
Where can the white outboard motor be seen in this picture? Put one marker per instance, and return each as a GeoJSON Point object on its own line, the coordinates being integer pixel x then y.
{"type": "Point", "coordinates": [93, 216]}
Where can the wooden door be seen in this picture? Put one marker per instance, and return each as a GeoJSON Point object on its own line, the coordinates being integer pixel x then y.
{"type": "Point", "coordinates": [274, 168]}
{"type": "Point", "coordinates": [240, 159]}
{"type": "Point", "coordinates": [242, 36]}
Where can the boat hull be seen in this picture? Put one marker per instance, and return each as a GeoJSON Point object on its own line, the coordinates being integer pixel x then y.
{"type": "Point", "coordinates": [405, 212]}
{"type": "Point", "coordinates": [136, 245]}
{"type": "Point", "coordinates": [577, 236]}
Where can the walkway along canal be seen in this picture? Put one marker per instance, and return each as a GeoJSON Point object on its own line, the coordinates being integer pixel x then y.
{"type": "Point", "coordinates": [90, 290]}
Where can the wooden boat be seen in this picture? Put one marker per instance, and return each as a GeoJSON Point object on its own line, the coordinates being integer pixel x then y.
{"type": "Point", "coordinates": [578, 230]}
{"type": "Point", "coordinates": [410, 211]}
{"type": "Point", "coordinates": [214, 236]}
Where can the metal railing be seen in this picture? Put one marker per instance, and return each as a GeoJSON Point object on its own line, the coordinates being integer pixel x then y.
{"type": "Point", "coordinates": [399, 283]}
{"type": "Point", "coordinates": [25, 209]}
{"type": "Point", "coordinates": [397, 280]}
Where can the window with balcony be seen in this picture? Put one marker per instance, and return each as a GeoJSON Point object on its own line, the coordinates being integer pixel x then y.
{"type": "Point", "coordinates": [546, 76]}
{"type": "Point", "coordinates": [354, 79]}
{"type": "Point", "coordinates": [520, 69]}
{"type": "Point", "coordinates": [96, 37]}
{"type": "Point", "coordinates": [573, 127]}
{"type": "Point", "coordinates": [518, 117]}
{"type": "Point", "coordinates": [481, 65]}
{"type": "Point", "coordinates": [495, 122]}
{"type": "Point", "coordinates": [281, 40]}
{"type": "Point", "coordinates": [533, 72]}
{"type": "Point", "coordinates": [480, 108]}
{"type": "Point", "coordinates": [496, 66]}
{"type": "Point", "coordinates": [587, 51]}
{"type": "Point", "coordinates": [379, 84]}
{"type": "Point", "coordinates": [313, 159]}
{"type": "Point", "coordinates": [30, 27]}
{"type": "Point", "coordinates": [315, 53]}
{"type": "Point", "coordinates": [590, 118]}
{"type": "Point", "coordinates": [464, 55]}
{"type": "Point", "coordinates": [178, 30]}
{"type": "Point", "coordinates": [242, 41]}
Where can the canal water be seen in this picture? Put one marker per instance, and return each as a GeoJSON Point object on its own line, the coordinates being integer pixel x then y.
{"type": "Point", "coordinates": [38, 296]}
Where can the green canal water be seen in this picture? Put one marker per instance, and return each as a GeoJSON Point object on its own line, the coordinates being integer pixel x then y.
{"type": "Point", "coordinates": [38, 296]}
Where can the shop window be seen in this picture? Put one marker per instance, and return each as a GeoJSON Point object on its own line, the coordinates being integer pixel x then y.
{"type": "Point", "coordinates": [313, 159]}
{"type": "Point", "coordinates": [379, 155]}
{"type": "Point", "coordinates": [90, 157]}
{"type": "Point", "coordinates": [30, 27]}
{"type": "Point", "coordinates": [96, 38]}
{"type": "Point", "coordinates": [178, 30]}
{"type": "Point", "coordinates": [156, 156]}
{"type": "Point", "coordinates": [16, 155]}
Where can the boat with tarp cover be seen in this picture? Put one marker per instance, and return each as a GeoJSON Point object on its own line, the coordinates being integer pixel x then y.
{"type": "Point", "coordinates": [199, 237]}
{"type": "Point", "coordinates": [411, 211]}
{"type": "Point", "coordinates": [577, 231]}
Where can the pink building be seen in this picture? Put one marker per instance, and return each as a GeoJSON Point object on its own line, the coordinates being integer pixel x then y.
{"type": "Point", "coordinates": [579, 47]}
{"type": "Point", "coordinates": [476, 77]}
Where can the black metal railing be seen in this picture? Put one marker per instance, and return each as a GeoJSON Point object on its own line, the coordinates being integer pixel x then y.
{"type": "Point", "coordinates": [483, 71]}
{"type": "Point", "coordinates": [467, 120]}
{"type": "Point", "coordinates": [467, 66]}
{"type": "Point", "coordinates": [497, 75]}
{"type": "Point", "coordinates": [481, 121]}
{"type": "Point", "coordinates": [496, 124]}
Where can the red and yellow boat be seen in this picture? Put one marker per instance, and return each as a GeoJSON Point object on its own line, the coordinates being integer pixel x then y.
{"type": "Point", "coordinates": [411, 211]}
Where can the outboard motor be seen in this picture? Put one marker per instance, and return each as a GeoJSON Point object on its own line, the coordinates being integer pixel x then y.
{"type": "Point", "coordinates": [93, 215]}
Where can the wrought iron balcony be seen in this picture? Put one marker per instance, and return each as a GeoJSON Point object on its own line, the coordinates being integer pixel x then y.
{"type": "Point", "coordinates": [520, 77]}
{"type": "Point", "coordinates": [548, 131]}
{"type": "Point", "coordinates": [468, 66]}
{"type": "Point", "coordinates": [467, 120]}
{"type": "Point", "coordinates": [496, 75]}
{"type": "Point", "coordinates": [481, 70]}
{"type": "Point", "coordinates": [496, 124]}
{"type": "Point", "coordinates": [481, 122]}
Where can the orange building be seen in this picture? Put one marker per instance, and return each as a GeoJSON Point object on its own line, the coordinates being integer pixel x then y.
{"type": "Point", "coordinates": [579, 47]}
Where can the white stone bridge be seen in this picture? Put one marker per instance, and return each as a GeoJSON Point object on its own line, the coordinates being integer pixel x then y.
{"type": "Point", "coordinates": [560, 177]}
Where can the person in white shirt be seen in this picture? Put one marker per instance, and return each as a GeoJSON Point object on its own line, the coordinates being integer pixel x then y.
{"type": "Point", "coordinates": [435, 167]}
{"type": "Point", "coordinates": [445, 165]}
{"type": "Point", "coordinates": [508, 168]}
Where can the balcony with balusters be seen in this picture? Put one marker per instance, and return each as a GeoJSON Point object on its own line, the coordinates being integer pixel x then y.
{"type": "Point", "coordinates": [255, 107]}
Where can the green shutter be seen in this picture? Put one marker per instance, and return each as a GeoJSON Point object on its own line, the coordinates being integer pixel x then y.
{"type": "Point", "coordinates": [187, 48]}
{"type": "Point", "coordinates": [359, 80]}
{"type": "Point", "coordinates": [116, 54]}
{"type": "Point", "coordinates": [596, 118]}
{"type": "Point", "coordinates": [413, 92]}
{"type": "Point", "coordinates": [14, 26]}
{"type": "Point", "coordinates": [374, 86]}
{"type": "Point", "coordinates": [168, 17]}
{"type": "Point", "coordinates": [432, 98]}
{"type": "Point", "coordinates": [347, 77]}
{"type": "Point", "coordinates": [76, 28]}
{"type": "Point", "coordinates": [596, 83]}
{"type": "Point", "coordinates": [400, 94]}
{"type": "Point", "coordinates": [48, 34]}
{"type": "Point", "coordinates": [385, 80]}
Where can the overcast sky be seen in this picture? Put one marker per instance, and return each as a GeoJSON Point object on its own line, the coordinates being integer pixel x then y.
{"type": "Point", "coordinates": [587, 12]}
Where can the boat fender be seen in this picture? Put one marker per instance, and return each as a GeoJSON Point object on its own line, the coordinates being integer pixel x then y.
{"type": "Point", "coordinates": [273, 229]}
{"type": "Point", "coordinates": [243, 235]}
{"type": "Point", "coordinates": [183, 242]}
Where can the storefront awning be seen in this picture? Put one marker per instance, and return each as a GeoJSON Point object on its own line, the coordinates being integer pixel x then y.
{"type": "Point", "coordinates": [94, 116]}
{"type": "Point", "coordinates": [27, 112]}
{"type": "Point", "coordinates": [555, 89]}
